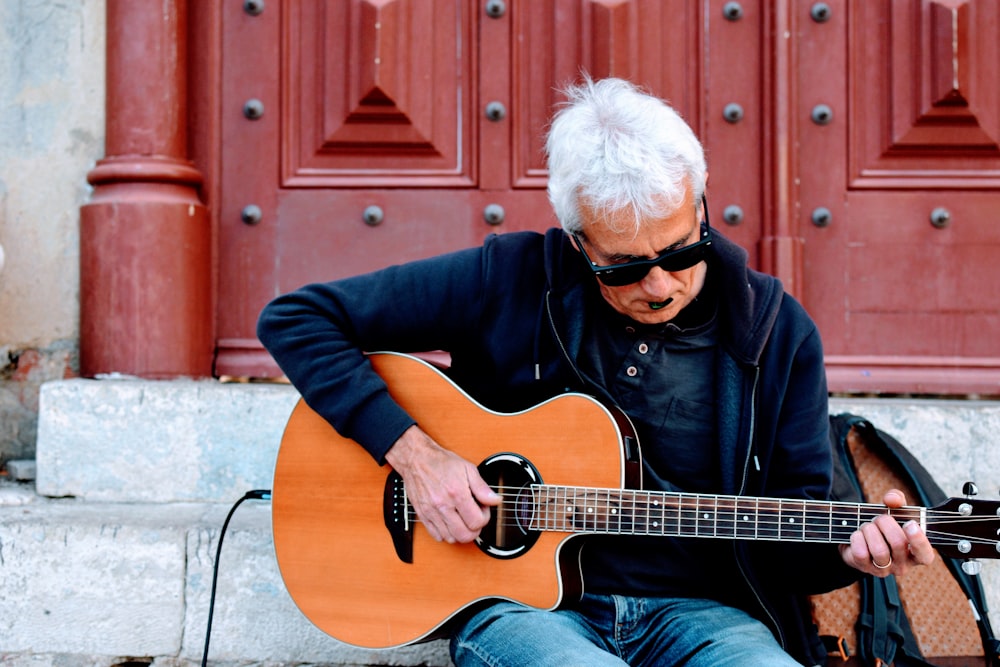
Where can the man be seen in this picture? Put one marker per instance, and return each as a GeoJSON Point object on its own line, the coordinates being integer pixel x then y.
{"type": "Point", "coordinates": [636, 300]}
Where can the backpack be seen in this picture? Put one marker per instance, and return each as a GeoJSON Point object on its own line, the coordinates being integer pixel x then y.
{"type": "Point", "coordinates": [933, 615]}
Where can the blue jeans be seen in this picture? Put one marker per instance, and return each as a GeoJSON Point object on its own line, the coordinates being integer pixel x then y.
{"type": "Point", "coordinates": [616, 630]}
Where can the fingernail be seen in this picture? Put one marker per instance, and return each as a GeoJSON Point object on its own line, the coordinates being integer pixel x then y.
{"type": "Point", "coordinates": [911, 528]}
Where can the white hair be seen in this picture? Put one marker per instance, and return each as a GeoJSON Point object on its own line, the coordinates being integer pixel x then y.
{"type": "Point", "coordinates": [613, 147]}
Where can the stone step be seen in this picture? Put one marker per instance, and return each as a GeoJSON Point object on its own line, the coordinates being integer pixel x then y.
{"type": "Point", "coordinates": [158, 441]}
{"type": "Point", "coordinates": [128, 582]}
{"type": "Point", "coordinates": [111, 559]}
{"type": "Point", "coordinates": [206, 441]}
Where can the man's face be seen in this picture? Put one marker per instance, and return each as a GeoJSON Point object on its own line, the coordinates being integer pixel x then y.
{"type": "Point", "coordinates": [661, 295]}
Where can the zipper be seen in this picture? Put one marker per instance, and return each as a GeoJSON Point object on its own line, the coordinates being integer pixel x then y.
{"type": "Point", "coordinates": [743, 484]}
{"type": "Point", "coordinates": [562, 347]}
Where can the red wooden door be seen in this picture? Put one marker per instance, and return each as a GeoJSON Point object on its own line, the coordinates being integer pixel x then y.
{"type": "Point", "coordinates": [902, 273]}
{"type": "Point", "coordinates": [385, 131]}
{"type": "Point", "coordinates": [852, 149]}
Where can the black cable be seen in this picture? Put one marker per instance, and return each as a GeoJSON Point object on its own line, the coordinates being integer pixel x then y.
{"type": "Point", "coordinates": [256, 494]}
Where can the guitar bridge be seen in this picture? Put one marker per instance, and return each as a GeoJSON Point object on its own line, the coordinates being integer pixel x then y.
{"type": "Point", "coordinates": [396, 512]}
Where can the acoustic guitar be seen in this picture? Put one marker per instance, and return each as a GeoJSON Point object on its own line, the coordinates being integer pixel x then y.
{"type": "Point", "coordinates": [357, 563]}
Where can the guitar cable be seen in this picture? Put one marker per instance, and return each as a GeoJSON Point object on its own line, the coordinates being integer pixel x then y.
{"type": "Point", "coordinates": [256, 494]}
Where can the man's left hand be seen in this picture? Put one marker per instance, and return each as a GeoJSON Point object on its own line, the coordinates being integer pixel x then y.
{"type": "Point", "coordinates": [883, 546]}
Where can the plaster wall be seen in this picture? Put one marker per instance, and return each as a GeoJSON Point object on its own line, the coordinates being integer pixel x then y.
{"type": "Point", "coordinates": [51, 135]}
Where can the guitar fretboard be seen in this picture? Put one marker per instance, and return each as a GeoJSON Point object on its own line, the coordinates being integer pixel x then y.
{"type": "Point", "coordinates": [633, 512]}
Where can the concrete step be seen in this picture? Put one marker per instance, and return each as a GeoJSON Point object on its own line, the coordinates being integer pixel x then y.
{"type": "Point", "coordinates": [127, 582]}
{"type": "Point", "coordinates": [158, 442]}
{"type": "Point", "coordinates": [109, 558]}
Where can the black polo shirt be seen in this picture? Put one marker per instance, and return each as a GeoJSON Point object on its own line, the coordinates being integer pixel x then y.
{"type": "Point", "coordinates": [663, 377]}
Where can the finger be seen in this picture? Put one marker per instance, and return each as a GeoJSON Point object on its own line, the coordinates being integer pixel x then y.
{"type": "Point", "coordinates": [469, 519]}
{"type": "Point", "coordinates": [430, 526]}
{"type": "Point", "coordinates": [879, 551]}
{"type": "Point", "coordinates": [894, 498]}
{"type": "Point", "coordinates": [918, 546]}
{"type": "Point", "coordinates": [859, 548]}
{"type": "Point", "coordinates": [482, 491]}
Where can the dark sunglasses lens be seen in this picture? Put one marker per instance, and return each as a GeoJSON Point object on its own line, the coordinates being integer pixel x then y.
{"type": "Point", "coordinates": [680, 260]}
{"type": "Point", "coordinates": [684, 259]}
{"type": "Point", "coordinates": [625, 275]}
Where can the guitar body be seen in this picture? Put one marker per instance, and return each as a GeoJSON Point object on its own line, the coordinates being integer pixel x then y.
{"type": "Point", "coordinates": [335, 552]}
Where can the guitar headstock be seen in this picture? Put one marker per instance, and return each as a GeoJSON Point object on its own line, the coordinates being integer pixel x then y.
{"type": "Point", "coordinates": [965, 528]}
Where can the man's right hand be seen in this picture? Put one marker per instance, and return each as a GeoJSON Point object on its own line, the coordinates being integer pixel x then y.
{"type": "Point", "coordinates": [447, 492]}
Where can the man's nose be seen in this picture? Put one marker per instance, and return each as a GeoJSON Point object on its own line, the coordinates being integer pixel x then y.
{"type": "Point", "coordinates": [658, 282]}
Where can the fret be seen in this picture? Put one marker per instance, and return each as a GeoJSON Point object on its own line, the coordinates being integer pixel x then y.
{"type": "Point", "coordinates": [817, 521]}
{"type": "Point", "coordinates": [553, 509]}
{"type": "Point", "coordinates": [590, 512]}
{"type": "Point", "coordinates": [702, 526]}
{"type": "Point", "coordinates": [705, 524]}
{"type": "Point", "coordinates": [604, 512]}
{"type": "Point", "coordinates": [568, 511]}
{"type": "Point", "coordinates": [545, 518]}
{"type": "Point", "coordinates": [725, 517]}
{"type": "Point", "coordinates": [672, 517]}
{"type": "Point", "coordinates": [768, 520]}
{"type": "Point", "coordinates": [790, 517]}
{"type": "Point", "coordinates": [639, 513]}
{"type": "Point", "coordinates": [614, 510]}
{"type": "Point", "coordinates": [844, 520]}
{"type": "Point", "coordinates": [656, 514]}
{"type": "Point", "coordinates": [687, 516]}
{"type": "Point", "coordinates": [645, 517]}
{"type": "Point", "coordinates": [868, 513]}
{"type": "Point", "coordinates": [746, 518]}
{"type": "Point", "coordinates": [552, 514]}
{"type": "Point", "coordinates": [627, 517]}
{"type": "Point", "coordinates": [541, 517]}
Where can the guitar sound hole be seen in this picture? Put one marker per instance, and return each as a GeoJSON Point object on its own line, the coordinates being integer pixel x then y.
{"type": "Point", "coordinates": [508, 534]}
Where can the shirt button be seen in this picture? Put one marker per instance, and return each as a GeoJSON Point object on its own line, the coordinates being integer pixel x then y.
{"type": "Point", "coordinates": [631, 371]}
{"type": "Point", "coordinates": [643, 348]}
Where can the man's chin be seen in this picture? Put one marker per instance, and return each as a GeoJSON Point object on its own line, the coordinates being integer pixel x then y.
{"type": "Point", "coordinates": [650, 315]}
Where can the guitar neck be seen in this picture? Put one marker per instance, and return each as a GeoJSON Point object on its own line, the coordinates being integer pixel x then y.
{"type": "Point", "coordinates": [670, 514]}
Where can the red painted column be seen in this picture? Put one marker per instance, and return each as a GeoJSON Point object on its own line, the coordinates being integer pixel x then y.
{"type": "Point", "coordinates": [146, 304]}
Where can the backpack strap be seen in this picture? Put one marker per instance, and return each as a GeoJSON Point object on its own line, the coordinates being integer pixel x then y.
{"type": "Point", "coordinates": [881, 627]}
{"type": "Point", "coordinates": [930, 494]}
{"type": "Point", "coordinates": [879, 633]}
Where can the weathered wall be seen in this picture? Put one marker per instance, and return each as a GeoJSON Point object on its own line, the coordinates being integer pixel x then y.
{"type": "Point", "coordinates": [51, 134]}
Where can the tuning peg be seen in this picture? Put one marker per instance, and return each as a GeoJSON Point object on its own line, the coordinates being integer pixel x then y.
{"type": "Point", "coordinates": [972, 567]}
{"type": "Point", "coordinates": [970, 489]}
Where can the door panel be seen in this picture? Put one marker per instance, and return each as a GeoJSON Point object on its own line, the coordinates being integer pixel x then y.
{"type": "Point", "coordinates": [385, 107]}
{"type": "Point", "coordinates": [926, 94]}
{"type": "Point", "coordinates": [377, 94]}
{"type": "Point", "coordinates": [899, 279]}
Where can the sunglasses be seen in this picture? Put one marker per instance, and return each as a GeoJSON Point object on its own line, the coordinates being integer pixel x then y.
{"type": "Point", "coordinates": [678, 259]}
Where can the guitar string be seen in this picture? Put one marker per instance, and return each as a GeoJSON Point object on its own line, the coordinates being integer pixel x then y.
{"type": "Point", "coordinates": [682, 511]}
